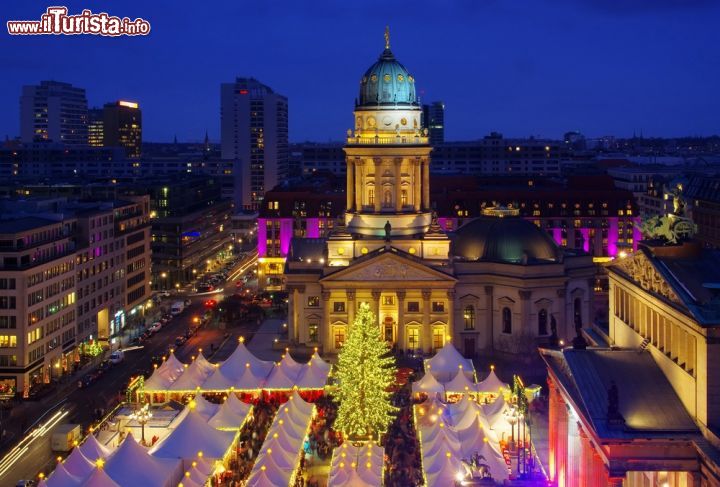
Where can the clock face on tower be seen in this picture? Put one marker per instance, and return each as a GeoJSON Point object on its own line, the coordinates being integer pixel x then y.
{"type": "Point", "coordinates": [371, 122]}
{"type": "Point", "coordinates": [387, 121]}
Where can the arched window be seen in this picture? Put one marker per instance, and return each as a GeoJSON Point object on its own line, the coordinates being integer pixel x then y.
{"type": "Point", "coordinates": [387, 198]}
{"type": "Point", "coordinates": [577, 309]}
{"type": "Point", "coordinates": [469, 317]}
{"type": "Point", "coordinates": [371, 196]}
{"type": "Point", "coordinates": [542, 322]}
{"type": "Point", "coordinates": [403, 197]}
{"type": "Point", "coordinates": [506, 320]}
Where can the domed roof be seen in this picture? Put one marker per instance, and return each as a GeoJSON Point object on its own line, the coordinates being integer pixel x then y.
{"type": "Point", "coordinates": [387, 82]}
{"type": "Point", "coordinates": [509, 240]}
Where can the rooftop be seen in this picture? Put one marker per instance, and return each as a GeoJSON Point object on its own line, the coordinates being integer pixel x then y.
{"type": "Point", "coordinates": [18, 225]}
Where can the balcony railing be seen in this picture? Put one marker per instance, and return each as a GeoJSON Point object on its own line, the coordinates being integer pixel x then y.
{"type": "Point", "coordinates": [397, 140]}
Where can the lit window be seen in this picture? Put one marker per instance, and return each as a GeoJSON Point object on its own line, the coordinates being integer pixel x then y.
{"type": "Point", "coordinates": [438, 307]}
{"type": "Point", "coordinates": [469, 317]}
{"type": "Point", "coordinates": [313, 301]}
{"type": "Point", "coordinates": [339, 306]}
{"type": "Point", "coordinates": [506, 320]}
{"type": "Point", "coordinates": [313, 332]}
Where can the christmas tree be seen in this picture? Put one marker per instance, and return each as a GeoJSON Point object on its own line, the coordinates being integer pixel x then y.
{"type": "Point", "coordinates": [365, 372]}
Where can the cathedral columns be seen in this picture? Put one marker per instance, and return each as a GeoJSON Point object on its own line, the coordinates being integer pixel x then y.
{"type": "Point", "coordinates": [326, 339]}
{"type": "Point", "coordinates": [350, 185]}
{"type": "Point", "coordinates": [376, 305]}
{"type": "Point", "coordinates": [426, 331]}
{"type": "Point", "coordinates": [398, 184]}
{"type": "Point", "coordinates": [401, 320]}
{"type": "Point", "coordinates": [426, 184]}
{"type": "Point", "coordinates": [293, 318]}
{"type": "Point", "coordinates": [359, 166]}
{"type": "Point", "coordinates": [351, 308]}
{"type": "Point", "coordinates": [378, 185]}
{"type": "Point", "coordinates": [417, 206]}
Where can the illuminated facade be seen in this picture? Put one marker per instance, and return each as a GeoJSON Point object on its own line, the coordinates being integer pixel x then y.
{"type": "Point", "coordinates": [389, 251]}
{"type": "Point", "coordinates": [644, 412]}
{"type": "Point", "coordinates": [54, 112]}
{"type": "Point", "coordinates": [122, 127]}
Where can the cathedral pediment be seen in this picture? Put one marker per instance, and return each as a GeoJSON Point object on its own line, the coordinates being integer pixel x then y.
{"type": "Point", "coordinates": [641, 269]}
{"type": "Point", "coordinates": [387, 267]}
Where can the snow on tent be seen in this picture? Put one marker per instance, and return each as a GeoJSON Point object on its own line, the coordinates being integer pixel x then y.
{"type": "Point", "coordinates": [194, 375]}
{"type": "Point", "coordinates": [77, 464]}
{"type": "Point", "coordinates": [473, 440]}
{"type": "Point", "coordinates": [460, 384]}
{"type": "Point", "coordinates": [231, 415]}
{"type": "Point", "coordinates": [428, 385]}
{"type": "Point", "coordinates": [446, 362]}
{"type": "Point", "coordinates": [162, 377]}
{"type": "Point", "coordinates": [280, 453]}
{"type": "Point", "coordinates": [62, 478]}
{"type": "Point", "coordinates": [492, 384]}
{"type": "Point", "coordinates": [92, 449]}
{"type": "Point", "coordinates": [194, 435]}
{"type": "Point", "coordinates": [99, 478]}
{"type": "Point", "coordinates": [131, 465]}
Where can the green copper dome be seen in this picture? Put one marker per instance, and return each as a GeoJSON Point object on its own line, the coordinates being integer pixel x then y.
{"type": "Point", "coordinates": [387, 83]}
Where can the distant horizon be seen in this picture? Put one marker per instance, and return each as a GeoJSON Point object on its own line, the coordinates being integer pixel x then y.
{"type": "Point", "coordinates": [596, 66]}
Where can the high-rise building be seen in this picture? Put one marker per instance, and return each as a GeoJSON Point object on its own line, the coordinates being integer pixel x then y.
{"type": "Point", "coordinates": [96, 132]}
{"type": "Point", "coordinates": [434, 121]}
{"type": "Point", "coordinates": [54, 111]}
{"type": "Point", "coordinates": [254, 133]}
{"type": "Point", "coordinates": [122, 127]}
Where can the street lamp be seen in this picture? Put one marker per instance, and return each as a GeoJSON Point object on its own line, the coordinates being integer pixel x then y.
{"type": "Point", "coordinates": [142, 416]}
{"type": "Point", "coordinates": [512, 418]}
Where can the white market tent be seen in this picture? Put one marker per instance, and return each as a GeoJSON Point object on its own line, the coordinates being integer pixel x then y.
{"type": "Point", "coordinates": [231, 415]}
{"type": "Point", "coordinates": [168, 372]}
{"type": "Point", "coordinates": [474, 440]}
{"type": "Point", "coordinates": [131, 465]}
{"type": "Point", "coordinates": [92, 449]}
{"type": "Point", "coordinates": [204, 408]}
{"type": "Point", "coordinates": [195, 435]}
{"type": "Point", "coordinates": [428, 385]}
{"type": "Point", "coordinates": [194, 375]}
{"type": "Point", "coordinates": [460, 384]}
{"type": "Point", "coordinates": [99, 478]}
{"type": "Point", "coordinates": [62, 478]}
{"type": "Point", "coordinates": [356, 466]}
{"type": "Point", "coordinates": [495, 412]}
{"type": "Point", "coordinates": [242, 371]}
{"type": "Point", "coordinates": [446, 362]}
{"type": "Point", "coordinates": [280, 452]}
{"type": "Point", "coordinates": [492, 384]}
{"type": "Point", "coordinates": [77, 464]}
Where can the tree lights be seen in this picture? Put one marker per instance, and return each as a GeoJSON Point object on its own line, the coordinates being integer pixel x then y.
{"type": "Point", "coordinates": [365, 371]}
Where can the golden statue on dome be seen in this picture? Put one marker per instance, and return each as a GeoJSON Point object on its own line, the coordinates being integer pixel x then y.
{"type": "Point", "coordinates": [387, 37]}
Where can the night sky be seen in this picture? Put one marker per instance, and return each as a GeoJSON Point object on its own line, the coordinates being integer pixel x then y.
{"type": "Point", "coordinates": [534, 67]}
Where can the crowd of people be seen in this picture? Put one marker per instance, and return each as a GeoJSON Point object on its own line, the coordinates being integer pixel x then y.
{"type": "Point", "coordinates": [253, 434]}
{"type": "Point", "coordinates": [402, 450]}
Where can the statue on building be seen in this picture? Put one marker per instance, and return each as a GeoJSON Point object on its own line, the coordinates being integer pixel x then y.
{"type": "Point", "coordinates": [388, 230]}
{"type": "Point", "coordinates": [613, 408]}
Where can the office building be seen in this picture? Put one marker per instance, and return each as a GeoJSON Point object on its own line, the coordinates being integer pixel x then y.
{"type": "Point", "coordinates": [96, 124]}
{"type": "Point", "coordinates": [254, 135]}
{"type": "Point", "coordinates": [122, 127]}
{"type": "Point", "coordinates": [54, 112]}
{"type": "Point", "coordinates": [434, 121]}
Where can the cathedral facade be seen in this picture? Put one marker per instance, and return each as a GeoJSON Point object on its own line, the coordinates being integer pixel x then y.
{"type": "Point", "coordinates": [499, 283]}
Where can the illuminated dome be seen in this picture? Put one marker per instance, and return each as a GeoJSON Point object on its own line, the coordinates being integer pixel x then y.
{"type": "Point", "coordinates": [387, 83]}
{"type": "Point", "coordinates": [507, 240]}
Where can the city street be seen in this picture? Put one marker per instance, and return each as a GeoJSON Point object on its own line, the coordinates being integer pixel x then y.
{"type": "Point", "coordinates": [33, 454]}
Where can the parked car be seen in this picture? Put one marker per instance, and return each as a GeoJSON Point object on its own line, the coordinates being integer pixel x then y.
{"type": "Point", "coordinates": [116, 357]}
{"type": "Point", "coordinates": [180, 341]}
{"type": "Point", "coordinates": [188, 302]}
{"type": "Point", "coordinates": [156, 327]}
{"type": "Point", "coordinates": [164, 294]}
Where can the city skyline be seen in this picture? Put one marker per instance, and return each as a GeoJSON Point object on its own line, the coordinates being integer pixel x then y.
{"type": "Point", "coordinates": [659, 84]}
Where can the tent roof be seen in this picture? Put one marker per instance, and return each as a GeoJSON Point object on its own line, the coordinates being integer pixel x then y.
{"type": "Point", "coordinates": [194, 435]}
{"type": "Point", "coordinates": [428, 384]}
{"type": "Point", "coordinates": [317, 361]}
{"type": "Point", "coordinates": [205, 408]}
{"type": "Point", "coordinates": [194, 376]}
{"type": "Point", "coordinates": [494, 411]}
{"type": "Point", "coordinates": [266, 478]}
{"type": "Point", "coordinates": [77, 464]}
{"type": "Point", "coordinates": [492, 383]}
{"type": "Point", "coordinates": [98, 478]}
{"type": "Point", "coordinates": [92, 449]}
{"type": "Point", "coordinates": [131, 464]}
{"type": "Point", "coordinates": [62, 478]}
{"type": "Point", "coordinates": [291, 366]}
{"type": "Point", "coordinates": [446, 362]}
{"type": "Point", "coordinates": [235, 363]}
{"type": "Point", "coordinates": [231, 414]}
{"type": "Point", "coordinates": [443, 471]}
{"type": "Point", "coordinates": [460, 383]}
{"type": "Point", "coordinates": [281, 378]}
{"type": "Point", "coordinates": [168, 372]}
{"type": "Point", "coordinates": [313, 376]}
{"type": "Point", "coordinates": [475, 439]}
